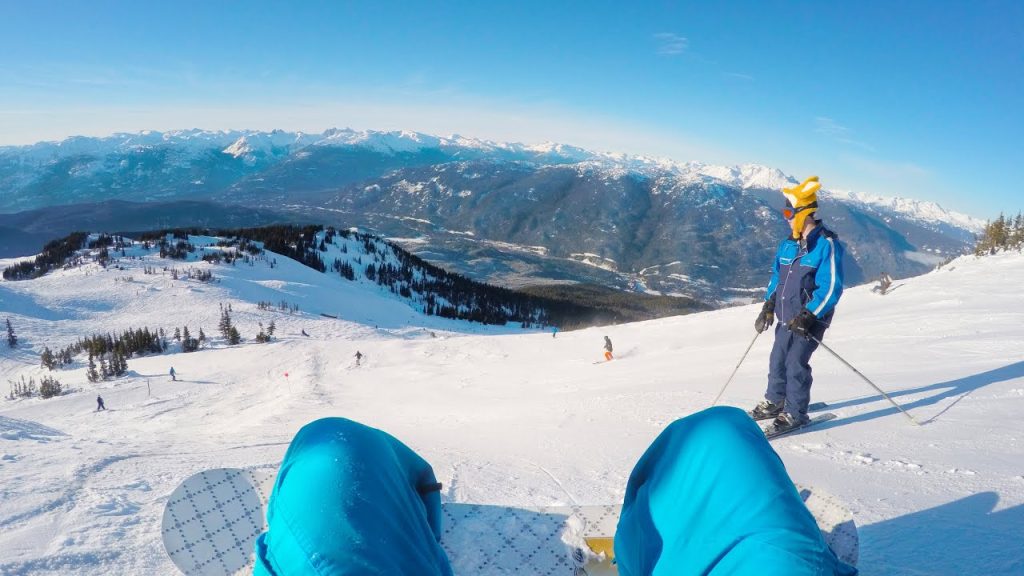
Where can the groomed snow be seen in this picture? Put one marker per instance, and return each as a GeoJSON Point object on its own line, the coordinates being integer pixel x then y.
{"type": "Point", "coordinates": [508, 417]}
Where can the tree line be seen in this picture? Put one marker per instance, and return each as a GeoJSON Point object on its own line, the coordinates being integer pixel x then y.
{"type": "Point", "coordinates": [54, 255]}
{"type": "Point", "coordinates": [1003, 233]}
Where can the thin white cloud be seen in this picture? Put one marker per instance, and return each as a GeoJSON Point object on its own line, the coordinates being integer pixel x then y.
{"type": "Point", "coordinates": [670, 44]}
{"type": "Point", "coordinates": [892, 171]}
{"type": "Point", "coordinates": [839, 133]}
{"type": "Point", "coordinates": [829, 127]}
{"type": "Point", "coordinates": [740, 76]}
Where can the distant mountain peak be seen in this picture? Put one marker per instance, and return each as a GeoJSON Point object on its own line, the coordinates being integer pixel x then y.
{"type": "Point", "coordinates": [251, 146]}
{"type": "Point", "coordinates": [238, 148]}
{"type": "Point", "coordinates": [919, 209]}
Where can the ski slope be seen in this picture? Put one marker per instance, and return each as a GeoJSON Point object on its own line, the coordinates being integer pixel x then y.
{"type": "Point", "coordinates": [507, 416]}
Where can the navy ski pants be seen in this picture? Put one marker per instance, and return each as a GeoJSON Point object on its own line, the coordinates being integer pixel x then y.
{"type": "Point", "coordinates": [789, 369]}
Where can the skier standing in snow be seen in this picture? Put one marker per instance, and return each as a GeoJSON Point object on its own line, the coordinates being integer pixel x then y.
{"type": "Point", "coordinates": [607, 348]}
{"type": "Point", "coordinates": [99, 403]}
{"type": "Point", "coordinates": [174, 377]}
{"type": "Point", "coordinates": [806, 283]}
{"type": "Point", "coordinates": [359, 356]}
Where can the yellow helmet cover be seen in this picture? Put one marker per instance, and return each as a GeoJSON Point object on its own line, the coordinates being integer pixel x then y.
{"type": "Point", "coordinates": [802, 201]}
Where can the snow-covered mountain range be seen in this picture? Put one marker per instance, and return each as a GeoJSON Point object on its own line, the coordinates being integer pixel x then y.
{"type": "Point", "coordinates": [250, 145]}
{"type": "Point", "coordinates": [506, 213]}
{"type": "Point", "coordinates": [506, 416]}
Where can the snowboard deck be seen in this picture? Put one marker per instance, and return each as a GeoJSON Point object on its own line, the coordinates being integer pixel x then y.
{"type": "Point", "coordinates": [212, 519]}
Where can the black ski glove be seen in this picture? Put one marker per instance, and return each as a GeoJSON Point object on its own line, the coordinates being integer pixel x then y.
{"type": "Point", "coordinates": [803, 323]}
{"type": "Point", "coordinates": [767, 316]}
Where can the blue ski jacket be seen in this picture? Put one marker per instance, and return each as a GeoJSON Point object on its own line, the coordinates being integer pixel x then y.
{"type": "Point", "coordinates": [807, 274]}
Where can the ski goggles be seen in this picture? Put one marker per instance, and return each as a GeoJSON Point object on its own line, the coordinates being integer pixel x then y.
{"type": "Point", "coordinates": [789, 212]}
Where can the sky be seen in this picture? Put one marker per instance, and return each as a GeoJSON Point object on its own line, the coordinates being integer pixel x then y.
{"type": "Point", "coordinates": [912, 99]}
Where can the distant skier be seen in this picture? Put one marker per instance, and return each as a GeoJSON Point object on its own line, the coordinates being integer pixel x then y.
{"type": "Point", "coordinates": [359, 356]}
{"type": "Point", "coordinates": [174, 378]}
{"type": "Point", "coordinates": [304, 332]}
{"type": "Point", "coordinates": [884, 282]}
{"type": "Point", "coordinates": [806, 283]}
{"type": "Point", "coordinates": [607, 349]}
{"type": "Point", "coordinates": [99, 403]}
{"type": "Point", "coordinates": [554, 331]}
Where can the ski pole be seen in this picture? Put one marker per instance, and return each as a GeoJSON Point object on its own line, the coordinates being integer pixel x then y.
{"type": "Point", "coordinates": [880, 391]}
{"type": "Point", "coordinates": [742, 358]}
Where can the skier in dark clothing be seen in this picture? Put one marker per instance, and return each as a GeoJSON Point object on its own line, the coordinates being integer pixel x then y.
{"type": "Point", "coordinates": [607, 348]}
{"type": "Point", "coordinates": [99, 403]}
{"type": "Point", "coordinates": [174, 377]}
{"type": "Point", "coordinates": [806, 283]}
{"type": "Point", "coordinates": [359, 356]}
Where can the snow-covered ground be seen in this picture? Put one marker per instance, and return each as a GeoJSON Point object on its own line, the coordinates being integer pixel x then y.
{"type": "Point", "coordinates": [506, 416]}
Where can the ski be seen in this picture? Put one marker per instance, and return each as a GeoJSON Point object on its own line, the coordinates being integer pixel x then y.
{"type": "Point", "coordinates": [814, 407]}
{"type": "Point", "coordinates": [769, 433]}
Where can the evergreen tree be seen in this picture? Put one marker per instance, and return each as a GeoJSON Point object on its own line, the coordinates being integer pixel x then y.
{"type": "Point", "coordinates": [188, 343]}
{"type": "Point", "coordinates": [47, 359]}
{"type": "Point", "coordinates": [225, 324]}
{"type": "Point", "coordinates": [270, 329]}
{"type": "Point", "coordinates": [177, 334]}
{"type": "Point", "coordinates": [91, 373]}
{"type": "Point", "coordinates": [233, 336]}
{"type": "Point", "coordinates": [12, 338]}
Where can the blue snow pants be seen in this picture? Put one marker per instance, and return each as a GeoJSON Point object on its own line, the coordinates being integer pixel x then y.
{"type": "Point", "coordinates": [348, 500]}
{"type": "Point", "coordinates": [711, 497]}
{"type": "Point", "coordinates": [789, 369]}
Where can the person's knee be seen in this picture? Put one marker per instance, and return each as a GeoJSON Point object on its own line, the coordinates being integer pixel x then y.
{"type": "Point", "coordinates": [715, 424]}
{"type": "Point", "coordinates": [333, 450]}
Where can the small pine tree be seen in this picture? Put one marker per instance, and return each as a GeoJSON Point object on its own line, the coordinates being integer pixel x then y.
{"type": "Point", "coordinates": [12, 338]}
{"type": "Point", "coordinates": [177, 334]}
{"type": "Point", "coordinates": [270, 329]}
{"type": "Point", "coordinates": [118, 364]}
{"type": "Point", "coordinates": [225, 324]}
{"type": "Point", "coordinates": [202, 336]}
{"type": "Point", "coordinates": [104, 368]}
{"type": "Point", "coordinates": [91, 373]}
{"type": "Point", "coordinates": [49, 387]}
{"type": "Point", "coordinates": [233, 336]}
{"type": "Point", "coordinates": [47, 359]}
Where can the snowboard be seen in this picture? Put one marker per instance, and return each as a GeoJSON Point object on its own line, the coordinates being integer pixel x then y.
{"type": "Point", "coordinates": [212, 519]}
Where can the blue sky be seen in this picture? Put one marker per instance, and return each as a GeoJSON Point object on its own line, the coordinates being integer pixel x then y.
{"type": "Point", "coordinates": [913, 99]}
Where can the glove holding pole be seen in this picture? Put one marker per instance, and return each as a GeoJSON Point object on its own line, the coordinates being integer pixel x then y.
{"type": "Point", "coordinates": [766, 317]}
{"type": "Point", "coordinates": [803, 323]}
